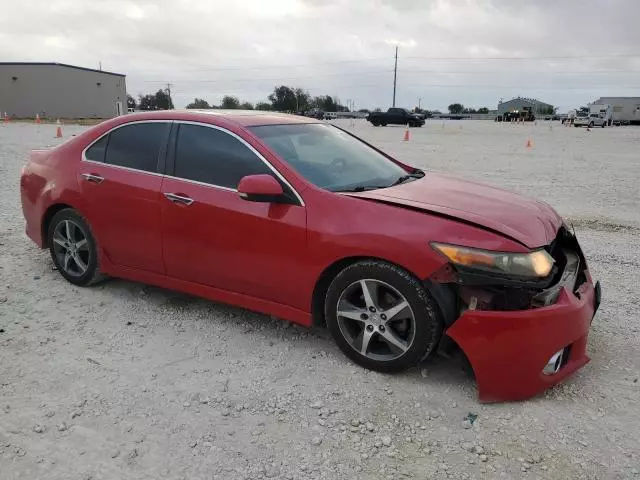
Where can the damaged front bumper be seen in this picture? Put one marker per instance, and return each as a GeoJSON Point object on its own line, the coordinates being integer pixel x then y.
{"type": "Point", "coordinates": [521, 339]}
{"type": "Point", "coordinates": [511, 351]}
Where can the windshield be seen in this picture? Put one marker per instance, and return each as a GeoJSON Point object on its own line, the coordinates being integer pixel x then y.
{"type": "Point", "coordinates": [594, 115]}
{"type": "Point", "coordinates": [330, 158]}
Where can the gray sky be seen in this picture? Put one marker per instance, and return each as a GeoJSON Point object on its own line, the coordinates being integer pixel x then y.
{"type": "Point", "coordinates": [564, 52]}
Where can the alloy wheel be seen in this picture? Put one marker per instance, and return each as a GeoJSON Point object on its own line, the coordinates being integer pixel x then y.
{"type": "Point", "coordinates": [71, 248]}
{"type": "Point", "coordinates": [376, 320]}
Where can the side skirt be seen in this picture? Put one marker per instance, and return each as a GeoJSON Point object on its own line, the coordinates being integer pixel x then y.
{"type": "Point", "coordinates": [211, 293]}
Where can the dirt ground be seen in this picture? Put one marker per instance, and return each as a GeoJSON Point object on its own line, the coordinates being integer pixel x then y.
{"type": "Point", "coordinates": [127, 381]}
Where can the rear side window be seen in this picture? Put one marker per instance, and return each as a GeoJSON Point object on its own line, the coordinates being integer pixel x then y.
{"type": "Point", "coordinates": [136, 146]}
{"type": "Point", "coordinates": [211, 156]}
{"type": "Point", "coordinates": [97, 150]}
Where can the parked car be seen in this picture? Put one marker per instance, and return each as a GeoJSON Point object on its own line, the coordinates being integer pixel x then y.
{"type": "Point", "coordinates": [395, 116]}
{"type": "Point", "coordinates": [598, 116]}
{"type": "Point", "coordinates": [299, 219]}
{"type": "Point", "coordinates": [330, 115]}
{"type": "Point", "coordinates": [591, 120]}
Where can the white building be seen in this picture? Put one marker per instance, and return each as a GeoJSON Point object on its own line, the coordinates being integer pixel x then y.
{"type": "Point", "coordinates": [625, 109]}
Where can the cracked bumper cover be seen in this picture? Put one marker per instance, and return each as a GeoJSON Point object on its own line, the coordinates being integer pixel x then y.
{"type": "Point", "coordinates": [508, 350]}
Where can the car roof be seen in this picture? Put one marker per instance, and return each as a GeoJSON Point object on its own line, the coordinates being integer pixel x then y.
{"type": "Point", "coordinates": [244, 118]}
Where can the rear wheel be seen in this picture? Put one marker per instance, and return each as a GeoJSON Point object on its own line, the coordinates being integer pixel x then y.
{"type": "Point", "coordinates": [591, 125]}
{"type": "Point", "coordinates": [381, 317]}
{"type": "Point", "coordinates": [375, 124]}
{"type": "Point", "coordinates": [384, 124]}
{"type": "Point", "coordinates": [73, 248]}
{"type": "Point", "coordinates": [604, 124]}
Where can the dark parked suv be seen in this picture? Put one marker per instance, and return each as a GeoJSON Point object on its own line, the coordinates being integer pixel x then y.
{"type": "Point", "coordinates": [395, 116]}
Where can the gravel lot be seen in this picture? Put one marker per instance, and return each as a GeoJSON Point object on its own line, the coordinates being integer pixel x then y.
{"type": "Point", "coordinates": [127, 381]}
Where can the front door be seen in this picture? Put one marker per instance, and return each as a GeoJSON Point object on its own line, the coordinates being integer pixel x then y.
{"type": "Point", "coordinates": [213, 237]}
{"type": "Point", "coordinates": [119, 176]}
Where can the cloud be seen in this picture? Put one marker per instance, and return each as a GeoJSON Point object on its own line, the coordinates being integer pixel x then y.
{"type": "Point", "coordinates": [472, 51]}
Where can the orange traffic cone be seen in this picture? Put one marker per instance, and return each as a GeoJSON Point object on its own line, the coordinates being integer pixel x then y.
{"type": "Point", "coordinates": [37, 118]}
{"type": "Point", "coordinates": [529, 143]}
{"type": "Point", "coordinates": [58, 129]}
{"type": "Point", "coordinates": [406, 134]}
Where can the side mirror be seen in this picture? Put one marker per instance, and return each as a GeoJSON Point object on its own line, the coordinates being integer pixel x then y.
{"type": "Point", "coordinates": [260, 188]}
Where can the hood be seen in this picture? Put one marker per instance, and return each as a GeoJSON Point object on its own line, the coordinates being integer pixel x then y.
{"type": "Point", "coordinates": [530, 222]}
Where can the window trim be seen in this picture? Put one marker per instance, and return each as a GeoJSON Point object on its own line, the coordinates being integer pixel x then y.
{"type": "Point", "coordinates": [246, 144]}
{"type": "Point", "coordinates": [160, 164]}
{"type": "Point", "coordinates": [164, 154]}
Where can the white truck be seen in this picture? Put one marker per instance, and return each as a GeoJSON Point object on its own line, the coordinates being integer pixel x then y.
{"type": "Point", "coordinates": [599, 116]}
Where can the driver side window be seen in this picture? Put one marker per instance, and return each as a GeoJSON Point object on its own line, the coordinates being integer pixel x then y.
{"type": "Point", "coordinates": [211, 156]}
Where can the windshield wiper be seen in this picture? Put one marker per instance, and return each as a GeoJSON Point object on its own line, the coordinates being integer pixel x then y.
{"type": "Point", "coordinates": [404, 178]}
{"type": "Point", "coordinates": [361, 188]}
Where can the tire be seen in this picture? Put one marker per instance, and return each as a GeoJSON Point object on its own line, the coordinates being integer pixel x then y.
{"type": "Point", "coordinates": [591, 125]}
{"type": "Point", "coordinates": [85, 270]}
{"type": "Point", "coordinates": [604, 124]}
{"type": "Point", "coordinates": [375, 124]}
{"type": "Point", "coordinates": [384, 124]}
{"type": "Point", "coordinates": [416, 329]}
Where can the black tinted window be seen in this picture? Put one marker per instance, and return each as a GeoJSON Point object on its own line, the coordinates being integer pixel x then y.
{"type": "Point", "coordinates": [136, 145]}
{"type": "Point", "coordinates": [97, 150]}
{"type": "Point", "coordinates": [211, 156]}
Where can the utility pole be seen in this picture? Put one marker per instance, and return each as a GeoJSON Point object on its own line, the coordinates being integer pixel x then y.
{"type": "Point", "coordinates": [419, 100]}
{"type": "Point", "coordinates": [395, 71]}
{"type": "Point", "coordinates": [169, 85]}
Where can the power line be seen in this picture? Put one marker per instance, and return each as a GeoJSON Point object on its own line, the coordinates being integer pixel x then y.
{"type": "Point", "coordinates": [542, 57]}
{"type": "Point", "coordinates": [520, 87]}
{"type": "Point", "coordinates": [344, 74]}
{"type": "Point", "coordinates": [545, 74]}
{"type": "Point", "coordinates": [203, 67]}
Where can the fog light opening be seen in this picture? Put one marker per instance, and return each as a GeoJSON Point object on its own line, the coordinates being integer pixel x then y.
{"type": "Point", "coordinates": [555, 363]}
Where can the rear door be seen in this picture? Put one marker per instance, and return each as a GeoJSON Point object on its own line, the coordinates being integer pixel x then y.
{"type": "Point", "coordinates": [213, 237]}
{"type": "Point", "coordinates": [120, 178]}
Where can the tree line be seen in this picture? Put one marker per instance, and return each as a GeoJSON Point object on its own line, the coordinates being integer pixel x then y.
{"type": "Point", "coordinates": [282, 99]}
{"type": "Point", "coordinates": [161, 100]}
{"type": "Point", "coordinates": [458, 108]}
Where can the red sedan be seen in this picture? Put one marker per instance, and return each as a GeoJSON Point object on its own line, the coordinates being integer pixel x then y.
{"type": "Point", "coordinates": [302, 220]}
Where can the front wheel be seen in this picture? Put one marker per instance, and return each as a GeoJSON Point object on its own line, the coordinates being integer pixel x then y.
{"type": "Point", "coordinates": [381, 317]}
{"type": "Point", "coordinates": [73, 248]}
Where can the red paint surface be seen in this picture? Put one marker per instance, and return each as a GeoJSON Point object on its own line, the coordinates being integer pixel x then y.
{"type": "Point", "coordinates": [528, 221]}
{"type": "Point", "coordinates": [508, 350]}
{"type": "Point", "coordinates": [269, 257]}
{"type": "Point", "coordinates": [259, 185]}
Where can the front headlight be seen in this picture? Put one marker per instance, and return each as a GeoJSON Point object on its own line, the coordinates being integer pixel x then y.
{"type": "Point", "coordinates": [534, 264]}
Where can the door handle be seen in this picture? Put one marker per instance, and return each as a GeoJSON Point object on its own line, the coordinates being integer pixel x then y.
{"type": "Point", "coordinates": [90, 177]}
{"type": "Point", "coordinates": [178, 198]}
